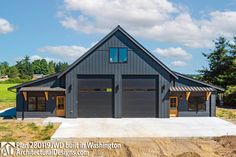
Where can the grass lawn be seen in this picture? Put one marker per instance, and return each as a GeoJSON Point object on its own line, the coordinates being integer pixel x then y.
{"type": "Point", "coordinates": [15, 130]}
{"type": "Point", "coordinates": [7, 98]}
{"type": "Point", "coordinates": [225, 113]}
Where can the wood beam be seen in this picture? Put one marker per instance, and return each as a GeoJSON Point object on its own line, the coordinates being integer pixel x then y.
{"type": "Point", "coordinates": [187, 95]}
{"type": "Point", "coordinates": [25, 95]}
{"type": "Point", "coordinates": [46, 95]}
{"type": "Point", "coordinates": [208, 94]}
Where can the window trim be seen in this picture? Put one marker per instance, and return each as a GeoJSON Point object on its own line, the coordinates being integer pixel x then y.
{"type": "Point", "coordinates": [36, 97]}
{"type": "Point", "coordinates": [196, 106]}
{"type": "Point", "coordinates": [118, 55]}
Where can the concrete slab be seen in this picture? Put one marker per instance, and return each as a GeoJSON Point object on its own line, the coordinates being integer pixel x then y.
{"type": "Point", "coordinates": [142, 127]}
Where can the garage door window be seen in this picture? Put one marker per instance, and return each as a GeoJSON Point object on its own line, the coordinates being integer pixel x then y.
{"type": "Point", "coordinates": [95, 90]}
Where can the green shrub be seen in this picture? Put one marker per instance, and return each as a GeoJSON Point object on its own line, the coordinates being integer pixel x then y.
{"type": "Point", "coordinates": [14, 80]}
{"type": "Point", "coordinates": [32, 126]}
{"type": "Point", "coordinates": [230, 96]}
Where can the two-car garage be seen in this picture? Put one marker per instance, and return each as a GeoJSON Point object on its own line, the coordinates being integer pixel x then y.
{"type": "Point", "coordinates": [96, 95]}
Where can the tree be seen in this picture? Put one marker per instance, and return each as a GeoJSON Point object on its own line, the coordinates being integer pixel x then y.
{"type": "Point", "coordinates": [222, 68]}
{"type": "Point", "coordinates": [13, 72]}
{"type": "Point", "coordinates": [61, 66]}
{"type": "Point", "coordinates": [25, 69]}
{"type": "Point", "coordinates": [4, 67]}
{"type": "Point", "coordinates": [36, 66]}
{"type": "Point", "coordinates": [51, 67]}
{"type": "Point", "coordinates": [218, 63]}
{"type": "Point", "coordinates": [40, 66]}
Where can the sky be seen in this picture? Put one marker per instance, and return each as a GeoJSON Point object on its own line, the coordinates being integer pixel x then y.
{"type": "Point", "coordinates": [176, 32]}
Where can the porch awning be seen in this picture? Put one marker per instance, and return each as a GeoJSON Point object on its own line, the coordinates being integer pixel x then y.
{"type": "Point", "coordinates": [191, 89]}
{"type": "Point", "coordinates": [43, 89]}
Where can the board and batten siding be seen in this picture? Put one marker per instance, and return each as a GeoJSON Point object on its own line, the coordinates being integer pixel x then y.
{"type": "Point", "coordinates": [183, 111]}
{"type": "Point", "coordinates": [50, 104]}
{"type": "Point", "coordinates": [97, 63]}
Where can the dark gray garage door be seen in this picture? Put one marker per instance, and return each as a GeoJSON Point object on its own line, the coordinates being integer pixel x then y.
{"type": "Point", "coordinates": [139, 96]}
{"type": "Point", "coordinates": [95, 96]}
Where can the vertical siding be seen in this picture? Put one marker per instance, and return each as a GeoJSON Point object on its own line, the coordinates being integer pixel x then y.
{"type": "Point", "coordinates": [98, 63]}
{"type": "Point", "coordinates": [183, 106]}
{"type": "Point", "coordinates": [50, 105]}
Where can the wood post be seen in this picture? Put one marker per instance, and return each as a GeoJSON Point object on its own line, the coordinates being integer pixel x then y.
{"type": "Point", "coordinates": [208, 94]}
{"type": "Point", "coordinates": [187, 95]}
{"type": "Point", "coordinates": [25, 95]}
{"type": "Point", "coordinates": [46, 95]}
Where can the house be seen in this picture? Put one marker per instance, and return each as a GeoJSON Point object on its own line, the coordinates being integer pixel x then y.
{"type": "Point", "coordinates": [37, 76]}
{"type": "Point", "coordinates": [117, 78]}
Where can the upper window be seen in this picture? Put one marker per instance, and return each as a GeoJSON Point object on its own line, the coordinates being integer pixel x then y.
{"type": "Point", "coordinates": [118, 55]}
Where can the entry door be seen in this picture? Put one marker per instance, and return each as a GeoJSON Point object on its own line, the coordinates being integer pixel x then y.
{"type": "Point", "coordinates": [173, 106]}
{"type": "Point", "coordinates": [61, 105]}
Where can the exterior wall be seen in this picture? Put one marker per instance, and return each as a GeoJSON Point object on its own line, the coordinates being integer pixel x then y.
{"type": "Point", "coordinates": [97, 63]}
{"type": "Point", "coordinates": [50, 105]}
{"type": "Point", "coordinates": [183, 106]}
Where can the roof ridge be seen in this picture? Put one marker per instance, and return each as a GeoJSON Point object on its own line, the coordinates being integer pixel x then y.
{"type": "Point", "coordinates": [118, 27]}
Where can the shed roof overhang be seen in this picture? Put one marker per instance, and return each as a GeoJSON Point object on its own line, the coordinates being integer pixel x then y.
{"type": "Point", "coordinates": [42, 89]}
{"type": "Point", "coordinates": [191, 89]}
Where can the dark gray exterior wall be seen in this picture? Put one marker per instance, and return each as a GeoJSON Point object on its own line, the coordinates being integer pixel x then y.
{"type": "Point", "coordinates": [182, 105]}
{"type": "Point", "coordinates": [50, 104]}
{"type": "Point", "coordinates": [97, 63]}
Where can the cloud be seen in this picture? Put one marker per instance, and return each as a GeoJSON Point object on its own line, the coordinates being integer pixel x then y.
{"type": "Point", "coordinates": [154, 19]}
{"type": "Point", "coordinates": [36, 57]}
{"type": "Point", "coordinates": [67, 52]}
{"type": "Point", "coordinates": [5, 26]}
{"type": "Point", "coordinates": [179, 64]}
{"type": "Point", "coordinates": [172, 52]}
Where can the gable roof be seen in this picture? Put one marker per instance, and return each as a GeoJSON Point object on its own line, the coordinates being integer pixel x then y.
{"type": "Point", "coordinates": [118, 28]}
{"type": "Point", "coordinates": [200, 82]}
{"type": "Point", "coordinates": [34, 81]}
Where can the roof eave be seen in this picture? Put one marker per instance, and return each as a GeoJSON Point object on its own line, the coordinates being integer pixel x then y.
{"type": "Point", "coordinates": [33, 81]}
{"type": "Point", "coordinates": [201, 82]}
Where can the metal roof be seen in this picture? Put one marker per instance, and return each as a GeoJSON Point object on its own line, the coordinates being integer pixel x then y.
{"type": "Point", "coordinates": [33, 81]}
{"type": "Point", "coordinates": [191, 89]}
{"type": "Point", "coordinates": [198, 81]}
{"type": "Point", "coordinates": [39, 89]}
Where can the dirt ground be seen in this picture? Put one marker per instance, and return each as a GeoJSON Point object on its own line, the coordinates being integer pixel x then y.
{"type": "Point", "coordinates": [167, 147]}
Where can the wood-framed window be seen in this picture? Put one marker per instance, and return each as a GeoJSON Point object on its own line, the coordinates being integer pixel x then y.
{"type": "Point", "coordinates": [36, 103]}
{"type": "Point", "coordinates": [197, 103]}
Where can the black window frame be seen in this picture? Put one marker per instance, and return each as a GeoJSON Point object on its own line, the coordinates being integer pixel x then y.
{"type": "Point", "coordinates": [36, 101]}
{"type": "Point", "coordinates": [118, 55]}
{"type": "Point", "coordinates": [196, 105]}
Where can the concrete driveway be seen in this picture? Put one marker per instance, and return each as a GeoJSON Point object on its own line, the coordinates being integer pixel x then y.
{"type": "Point", "coordinates": [142, 127]}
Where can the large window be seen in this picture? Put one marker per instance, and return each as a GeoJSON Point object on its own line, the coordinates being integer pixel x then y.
{"type": "Point", "coordinates": [31, 103]}
{"type": "Point", "coordinates": [196, 103]}
{"type": "Point", "coordinates": [118, 55]}
{"type": "Point", "coordinates": [36, 104]}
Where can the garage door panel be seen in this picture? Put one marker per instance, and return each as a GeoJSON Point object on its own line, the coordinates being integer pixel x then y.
{"type": "Point", "coordinates": [139, 97]}
{"type": "Point", "coordinates": [95, 97]}
{"type": "Point", "coordinates": [134, 83]}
